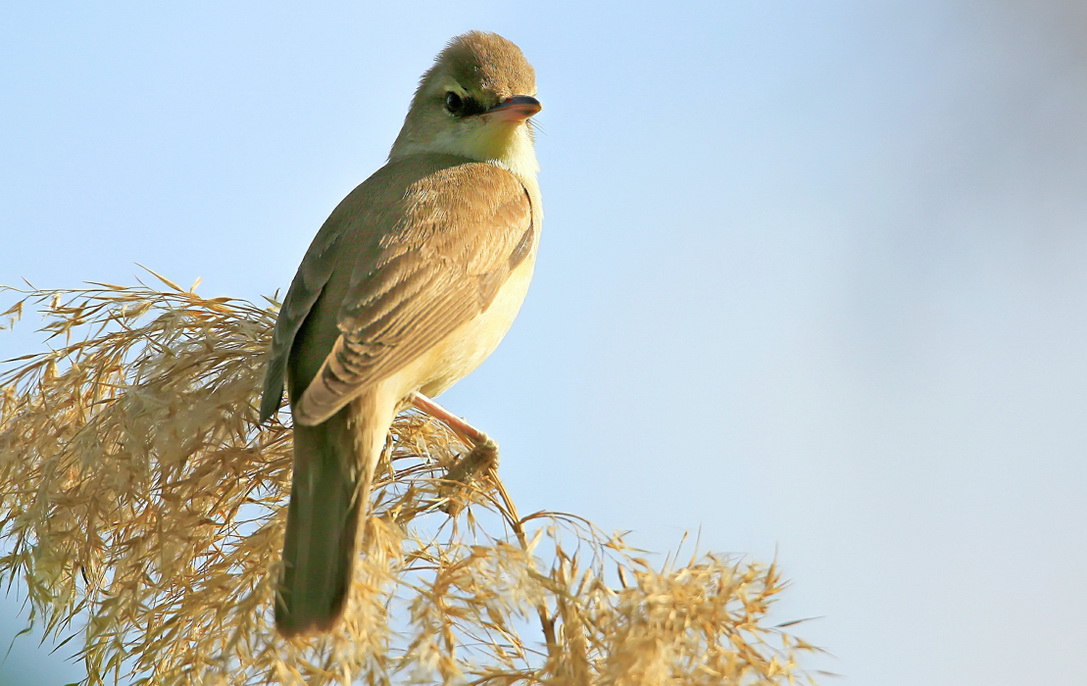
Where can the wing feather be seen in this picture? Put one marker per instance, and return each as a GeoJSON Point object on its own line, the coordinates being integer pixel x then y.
{"type": "Point", "coordinates": [403, 276]}
{"type": "Point", "coordinates": [307, 286]}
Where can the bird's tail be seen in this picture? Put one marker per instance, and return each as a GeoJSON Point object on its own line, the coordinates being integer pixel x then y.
{"type": "Point", "coordinates": [333, 466]}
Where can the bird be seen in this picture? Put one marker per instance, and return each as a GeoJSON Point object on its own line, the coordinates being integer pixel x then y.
{"type": "Point", "coordinates": [407, 287]}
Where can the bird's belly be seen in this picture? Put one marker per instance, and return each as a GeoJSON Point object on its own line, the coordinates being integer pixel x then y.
{"type": "Point", "coordinates": [467, 346]}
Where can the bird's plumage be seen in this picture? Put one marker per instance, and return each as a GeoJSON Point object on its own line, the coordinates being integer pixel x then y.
{"type": "Point", "coordinates": [408, 286]}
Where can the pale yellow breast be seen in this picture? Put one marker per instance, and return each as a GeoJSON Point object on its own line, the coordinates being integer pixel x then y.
{"type": "Point", "coordinates": [469, 344]}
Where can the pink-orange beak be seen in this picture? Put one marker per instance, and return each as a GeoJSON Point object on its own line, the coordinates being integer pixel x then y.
{"type": "Point", "coordinates": [515, 109]}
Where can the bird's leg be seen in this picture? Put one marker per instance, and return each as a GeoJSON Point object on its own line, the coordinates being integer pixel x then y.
{"type": "Point", "coordinates": [483, 456]}
{"type": "Point", "coordinates": [467, 433]}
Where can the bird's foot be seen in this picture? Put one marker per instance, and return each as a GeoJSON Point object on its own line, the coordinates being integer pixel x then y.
{"type": "Point", "coordinates": [480, 460]}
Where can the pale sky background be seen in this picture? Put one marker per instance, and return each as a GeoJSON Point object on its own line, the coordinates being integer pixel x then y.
{"type": "Point", "coordinates": [813, 279]}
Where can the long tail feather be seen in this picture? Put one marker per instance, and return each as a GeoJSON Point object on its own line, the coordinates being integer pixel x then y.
{"type": "Point", "coordinates": [333, 467]}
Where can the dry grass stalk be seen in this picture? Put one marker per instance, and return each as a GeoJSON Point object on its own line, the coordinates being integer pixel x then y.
{"type": "Point", "coordinates": [143, 510]}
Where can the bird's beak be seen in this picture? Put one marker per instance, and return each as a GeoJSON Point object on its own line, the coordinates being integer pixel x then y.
{"type": "Point", "coordinates": [514, 110]}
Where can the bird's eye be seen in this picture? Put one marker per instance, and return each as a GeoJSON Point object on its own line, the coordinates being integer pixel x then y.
{"type": "Point", "coordinates": [453, 103]}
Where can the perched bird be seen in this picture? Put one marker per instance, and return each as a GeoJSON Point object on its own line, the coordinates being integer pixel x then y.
{"type": "Point", "coordinates": [409, 285]}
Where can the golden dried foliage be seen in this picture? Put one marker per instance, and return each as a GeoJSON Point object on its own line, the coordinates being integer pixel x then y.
{"type": "Point", "coordinates": [142, 507]}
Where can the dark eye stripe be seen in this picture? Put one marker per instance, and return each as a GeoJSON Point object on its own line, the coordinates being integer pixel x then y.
{"type": "Point", "coordinates": [462, 106]}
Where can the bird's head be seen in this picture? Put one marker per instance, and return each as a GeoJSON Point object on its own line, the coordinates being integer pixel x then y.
{"type": "Point", "coordinates": [475, 102]}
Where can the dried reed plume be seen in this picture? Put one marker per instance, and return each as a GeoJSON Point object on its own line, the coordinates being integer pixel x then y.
{"type": "Point", "coordinates": [143, 509]}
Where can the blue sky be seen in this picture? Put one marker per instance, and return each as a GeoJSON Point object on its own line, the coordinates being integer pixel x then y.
{"type": "Point", "coordinates": [812, 277]}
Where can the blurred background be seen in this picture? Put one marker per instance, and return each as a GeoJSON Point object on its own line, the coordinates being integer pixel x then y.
{"type": "Point", "coordinates": [813, 281]}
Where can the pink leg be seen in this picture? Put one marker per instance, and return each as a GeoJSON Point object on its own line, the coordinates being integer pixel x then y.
{"type": "Point", "coordinates": [482, 458]}
{"type": "Point", "coordinates": [470, 434]}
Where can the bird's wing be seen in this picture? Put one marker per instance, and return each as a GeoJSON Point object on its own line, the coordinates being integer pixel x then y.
{"type": "Point", "coordinates": [460, 233]}
{"type": "Point", "coordinates": [308, 284]}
